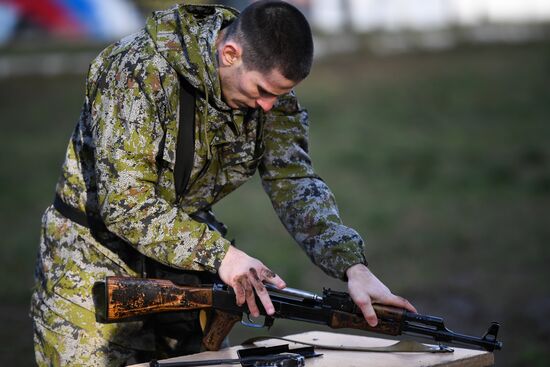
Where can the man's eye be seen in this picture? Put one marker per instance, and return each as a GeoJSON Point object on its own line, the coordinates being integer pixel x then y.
{"type": "Point", "coordinates": [264, 93]}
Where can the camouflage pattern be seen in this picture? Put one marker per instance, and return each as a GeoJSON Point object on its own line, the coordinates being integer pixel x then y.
{"type": "Point", "coordinates": [119, 170]}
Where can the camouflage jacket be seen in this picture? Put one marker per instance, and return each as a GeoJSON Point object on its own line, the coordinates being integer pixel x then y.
{"type": "Point", "coordinates": [120, 161]}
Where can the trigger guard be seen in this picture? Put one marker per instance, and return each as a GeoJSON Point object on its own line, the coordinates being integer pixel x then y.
{"type": "Point", "coordinates": [251, 323]}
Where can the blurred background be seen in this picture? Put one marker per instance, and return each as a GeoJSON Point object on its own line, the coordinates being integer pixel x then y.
{"type": "Point", "coordinates": [430, 120]}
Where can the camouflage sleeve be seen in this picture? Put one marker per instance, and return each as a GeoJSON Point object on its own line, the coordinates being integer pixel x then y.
{"type": "Point", "coordinates": [128, 137]}
{"type": "Point", "coordinates": [303, 202]}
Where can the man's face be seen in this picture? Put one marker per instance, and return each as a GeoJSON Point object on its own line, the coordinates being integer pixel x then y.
{"type": "Point", "coordinates": [243, 88]}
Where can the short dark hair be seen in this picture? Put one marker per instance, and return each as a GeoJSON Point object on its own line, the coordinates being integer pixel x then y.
{"type": "Point", "coordinates": [274, 35]}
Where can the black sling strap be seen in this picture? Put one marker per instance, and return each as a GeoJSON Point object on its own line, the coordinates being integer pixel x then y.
{"type": "Point", "coordinates": [185, 151]}
{"type": "Point", "coordinates": [185, 148]}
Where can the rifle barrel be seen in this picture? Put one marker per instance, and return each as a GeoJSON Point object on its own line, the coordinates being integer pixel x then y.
{"type": "Point", "coordinates": [442, 334]}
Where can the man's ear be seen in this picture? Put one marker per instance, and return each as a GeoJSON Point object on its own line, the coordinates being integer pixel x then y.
{"type": "Point", "coordinates": [231, 53]}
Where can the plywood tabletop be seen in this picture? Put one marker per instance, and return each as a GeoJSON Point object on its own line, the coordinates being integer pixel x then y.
{"type": "Point", "coordinates": [459, 358]}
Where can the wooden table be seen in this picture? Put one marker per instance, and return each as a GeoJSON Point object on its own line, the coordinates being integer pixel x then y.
{"type": "Point", "coordinates": [459, 358]}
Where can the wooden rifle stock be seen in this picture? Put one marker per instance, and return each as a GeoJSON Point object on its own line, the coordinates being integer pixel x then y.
{"type": "Point", "coordinates": [129, 298]}
{"type": "Point", "coordinates": [133, 297]}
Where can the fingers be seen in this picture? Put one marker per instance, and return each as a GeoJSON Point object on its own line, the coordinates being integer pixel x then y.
{"type": "Point", "coordinates": [366, 308]}
{"type": "Point", "coordinates": [407, 305]}
{"type": "Point", "coordinates": [261, 292]}
{"type": "Point", "coordinates": [369, 313]}
{"type": "Point", "coordinates": [365, 289]}
{"type": "Point", "coordinates": [240, 295]}
{"type": "Point", "coordinates": [246, 275]}
{"type": "Point", "coordinates": [250, 298]}
{"type": "Point", "coordinates": [250, 284]}
{"type": "Point", "coordinates": [400, 302]}
{"type": "Point", "coordinates": [272, 278]}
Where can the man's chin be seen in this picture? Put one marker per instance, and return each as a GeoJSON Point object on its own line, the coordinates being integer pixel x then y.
{"type": "Point", "coordinates": [239, 106]}
{"type": "Point", "coordinates": [234, 105]}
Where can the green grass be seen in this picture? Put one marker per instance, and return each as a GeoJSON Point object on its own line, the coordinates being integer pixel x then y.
{"type": "Point", "coordinates": [441, 161]}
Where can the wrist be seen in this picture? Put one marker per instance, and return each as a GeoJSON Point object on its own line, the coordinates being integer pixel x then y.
{"type": "Point", "coordinates": [357, 269]}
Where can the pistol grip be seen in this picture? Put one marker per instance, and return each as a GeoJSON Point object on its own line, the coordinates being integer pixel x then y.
{"type": "Point", "coordinates": [218, 328]}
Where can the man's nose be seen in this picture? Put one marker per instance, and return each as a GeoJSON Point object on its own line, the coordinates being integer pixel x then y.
{"type": "Point", "coordinates": [266, 104]}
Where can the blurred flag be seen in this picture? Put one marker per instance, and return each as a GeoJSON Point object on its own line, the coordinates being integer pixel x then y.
{"type": "Point", "coordinates": [105, 19]}
{"type": "Point", "coordinates": [49, 15]}
{"type": "Point", "coordinates": [100, 19]}
{"type": "Point", "coordinates": [8, 20]}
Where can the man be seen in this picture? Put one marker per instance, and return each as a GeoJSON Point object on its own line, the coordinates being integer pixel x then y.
{"type": "Point", "coordinates": [117, 210]}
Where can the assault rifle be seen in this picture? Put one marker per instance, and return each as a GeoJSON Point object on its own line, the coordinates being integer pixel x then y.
{"type": "Point", "coordinates": [129, 298]}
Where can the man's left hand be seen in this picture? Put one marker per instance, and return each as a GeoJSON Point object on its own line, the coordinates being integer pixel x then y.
{"type": "Point", "coordinates": [365, 289]}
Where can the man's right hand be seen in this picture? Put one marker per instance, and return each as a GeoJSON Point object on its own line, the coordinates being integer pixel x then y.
{"type": "Point", "coordinates": [246, 275]}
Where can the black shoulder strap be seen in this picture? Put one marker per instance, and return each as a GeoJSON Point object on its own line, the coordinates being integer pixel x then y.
{"type": "Point", "coordinates": [185, 148]}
